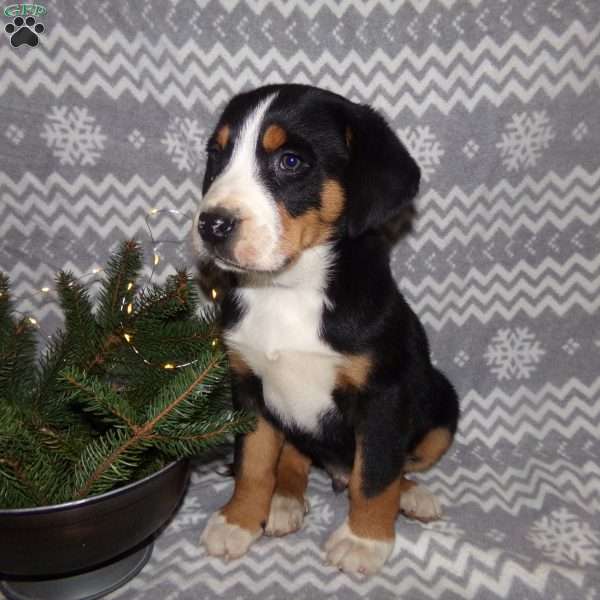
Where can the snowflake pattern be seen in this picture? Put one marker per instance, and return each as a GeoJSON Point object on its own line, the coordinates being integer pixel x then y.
{"type": "Point", "coordinates": [191, 515]}
{"type": "Point", "coordinates": [524, 139]}
{"type": "Point", "coordinates": [136, 139]}
{"type": "Point", "coordinates": [424, 147]}
{"type": "Point", "coordinates": [580, 131]}
{"type": "Point", "coordinates": [320, 515]}
{"type": "Point", "coordinates": [14, 134]}
{"type": "Point", "coordinates": [564, 538]}
{"type": "Point", "coordinates": [184, 140]}
{"type": "Point", "coordinates": [470, 149]}
{"type": "Point", "coordinates": [73, 135]}
{"type": "Point", "coordinates": [513, 353]}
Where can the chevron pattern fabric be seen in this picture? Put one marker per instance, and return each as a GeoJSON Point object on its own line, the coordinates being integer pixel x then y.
{"type": "Point", "coordinates": [498, 100]}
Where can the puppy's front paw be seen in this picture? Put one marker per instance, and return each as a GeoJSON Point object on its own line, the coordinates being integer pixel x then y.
{"type": "Point", "coordinates": [221, 538]}
{"type": "Point", "coordinates": [286, 515]}
{"type": "Point", "coordinates": [419, 503]}
{"type": "Point", "coordinates": [355, 554]}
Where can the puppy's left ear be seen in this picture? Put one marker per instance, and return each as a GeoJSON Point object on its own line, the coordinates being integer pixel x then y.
{"type": "Point", "coordinates": [381, 177]}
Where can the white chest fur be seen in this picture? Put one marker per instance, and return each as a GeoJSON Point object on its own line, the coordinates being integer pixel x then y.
{"type": "Point", "coordinates": [278, 338]}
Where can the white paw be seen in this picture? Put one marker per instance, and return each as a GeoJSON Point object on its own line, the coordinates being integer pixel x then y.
{"type": "Point", "coordinates": [354, 554]}
{"type": "Point", "coordinates": [286, 515]}
{"type": "Point", "coordinates": [227, 540]}
{"type": "Point", "coordinates": [419, 503]}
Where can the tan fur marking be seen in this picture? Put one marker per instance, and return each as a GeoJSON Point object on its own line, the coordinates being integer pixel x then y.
{"type": "Point", "coordinates": [406, 484]}
{"type": "Point", "coordinates": [315, 226]}
{"type": "Point", "coordinates": [255, 479]}
{"type": "Point", "coordinates": [348, 136]}
{"type": "Point", "coordinates": [430, 450]}
{"type": "Point", "coordinates": [223, 136]}
{"type": "Point", "coordinates": [354, 372]}
{"type": "Point", "coordinates": [332, 201]}
{"type": "Point", "coordinates": [372, 518]}
{"type": "Point", "coordinates": [274, 137]}
{"type": "Point", "coordinates": [237, 363]}
{"type": "Point", "coordinates": [292, 472]}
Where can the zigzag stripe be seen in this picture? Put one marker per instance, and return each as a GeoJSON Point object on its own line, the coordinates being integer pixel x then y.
{"type": "Point", "coordinates": [566, 411]}
{"type": "Point", "coordinates": [460, 216]}
{"type": "Point", "coordinates": [471, 570]}
{"type": "Point", "coordinates": [337, 7]}
{"type": "Point", "coordinates": [268, 564]}
{"type": "Point", "coordinates": [519, 488]}
{"type": "Point", "coordinates": [531, 289]}
{"type": "Point", "coordinates": [419, 89]}
{"type": "Point", "coordinates": [55, 182]}
{"type": "Point", "coordinates": [457, 226]}
{"type": "Point", "coordinates": [415, 77]}
{"type": "Point", "coordinates": [144, 47]}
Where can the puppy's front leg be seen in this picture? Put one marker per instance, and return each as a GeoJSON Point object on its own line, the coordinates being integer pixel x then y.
{"type": "Point", "coordinates": [366, 539]}
{"type": "Point", "coordinates": [241, 521]}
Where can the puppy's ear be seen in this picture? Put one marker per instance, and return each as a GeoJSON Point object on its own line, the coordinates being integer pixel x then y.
{"type": "Point", "coordinates": [382, 177]}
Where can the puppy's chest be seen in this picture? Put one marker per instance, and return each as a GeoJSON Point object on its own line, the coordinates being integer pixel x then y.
{"type": "Point", "coordinates": [278, 338]}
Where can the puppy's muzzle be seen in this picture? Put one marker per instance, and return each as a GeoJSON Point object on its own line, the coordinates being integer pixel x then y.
{"type": "Point", "coordinates": [216, 227]}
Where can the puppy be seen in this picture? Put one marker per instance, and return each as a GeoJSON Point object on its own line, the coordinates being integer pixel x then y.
{"type": "Point", "coordinates": [298, 184]}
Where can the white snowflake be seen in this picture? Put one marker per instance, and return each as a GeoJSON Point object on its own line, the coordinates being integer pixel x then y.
{"type": "Point", "coordinates": [524, 139]}
{"type": "Point", "coordinates": [513, 353]}
{"type": "Point", "coordinates": [14, 134]}
{"type": "Point", "coordinates": [445, 527]}
{"type": "Point", "coordinates": [424, 147]}
{"type": "Point", "coordinates": [320, 515]}
{"type": "Point", "coordinates": [137, 139]}
{"type": "Point", "coordinates": [184, 139]}
{"type": "Point", "coordinates": [565, 538]}
{"type": "Point", "coordinates": [190, 516]}
{"type": "Point", "coordinates": [580, 131]}
{"type": "Point", "coordinates": [73, 135]}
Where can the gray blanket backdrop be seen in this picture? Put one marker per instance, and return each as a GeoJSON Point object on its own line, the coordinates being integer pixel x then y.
{"type": "Point", "coordinates": [499, 102]}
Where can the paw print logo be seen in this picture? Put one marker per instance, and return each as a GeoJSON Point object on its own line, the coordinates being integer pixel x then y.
{"type": "Point", "coordinates": [24, 31]}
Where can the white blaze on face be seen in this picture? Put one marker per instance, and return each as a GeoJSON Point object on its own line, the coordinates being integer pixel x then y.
{"type": "Point", "coordinates": [239, 191]}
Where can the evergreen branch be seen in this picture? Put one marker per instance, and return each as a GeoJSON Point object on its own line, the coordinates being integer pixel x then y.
{"type": "Point", "coordinates": [98, 398]}
{"type": "Point", "coordinates": [142, 433]}
{"type": "Point", "coordinates": [123, 269]}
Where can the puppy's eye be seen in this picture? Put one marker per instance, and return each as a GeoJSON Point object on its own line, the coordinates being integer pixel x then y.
{"type": "Point", "coordinates": [290, 162]}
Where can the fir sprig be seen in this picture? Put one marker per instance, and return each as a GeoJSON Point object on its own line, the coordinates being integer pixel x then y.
{"type": "Point", "coordinates": [100, 407]}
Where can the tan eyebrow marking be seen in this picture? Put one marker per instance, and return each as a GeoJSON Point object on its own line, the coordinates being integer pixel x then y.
{"type": "Point", "coordinates": [223, 136]}
{"type": "Point", "coordinates": [273, 138]}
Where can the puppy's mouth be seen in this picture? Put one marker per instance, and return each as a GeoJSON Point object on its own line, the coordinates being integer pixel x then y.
{"type": "Point", "coordinates": [227, 264]}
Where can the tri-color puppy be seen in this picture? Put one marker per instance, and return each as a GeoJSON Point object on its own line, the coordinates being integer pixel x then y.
{"type": "Point", "coordinates": [298, 183]}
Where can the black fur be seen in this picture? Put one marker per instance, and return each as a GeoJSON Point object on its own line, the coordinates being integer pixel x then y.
{"type": "Point", "coordinates": [405, 396]}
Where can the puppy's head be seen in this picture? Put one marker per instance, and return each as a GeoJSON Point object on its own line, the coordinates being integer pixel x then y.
{"type": "Point", "coordinates": [291, 167]}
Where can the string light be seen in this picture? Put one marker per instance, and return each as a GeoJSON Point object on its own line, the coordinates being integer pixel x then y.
{"type": "Point", "coordinates": [125, 305]}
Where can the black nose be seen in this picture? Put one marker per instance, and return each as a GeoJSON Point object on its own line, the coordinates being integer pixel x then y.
{"type": "Point", "coordinates": [215, 227]}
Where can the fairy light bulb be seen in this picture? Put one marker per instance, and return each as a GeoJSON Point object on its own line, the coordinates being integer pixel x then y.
{"type": "Point", "coordinates": [129, 286]}
{"type": "Point", "coordinates": [168, 366]}
{"type": "Point", "coordinates": [45, 289]}
{"type": "Point", "coordinates": [32, 321]}
{"type": "Point", "coordinates": [214, 293]}
{"type": "Point", "coordinates": [156, 259]}
{"type": "Point", "coordinates": [128, 337]}
{"type": "Point", "coordinates": [129, 308]}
